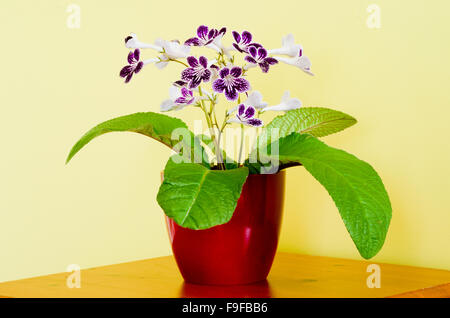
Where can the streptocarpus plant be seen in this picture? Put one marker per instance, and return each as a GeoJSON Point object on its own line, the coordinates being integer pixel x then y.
{"type": "Point", "coordinates": [192, 177]}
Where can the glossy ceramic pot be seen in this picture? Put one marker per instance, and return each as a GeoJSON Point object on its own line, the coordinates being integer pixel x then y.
{"type": "Point", "coordinates": [240, 251]}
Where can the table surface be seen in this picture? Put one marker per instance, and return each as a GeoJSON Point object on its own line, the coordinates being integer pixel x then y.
{"type": "Point", "coordinates": [292, 275]}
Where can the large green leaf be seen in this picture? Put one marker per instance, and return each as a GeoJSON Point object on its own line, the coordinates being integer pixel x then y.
{"type": "Point", "coordinates": [354, 185]}
{"type": "Point", "coordinates": [198, 198]}
{"type": "Point", "coordinates": [316, 121]}
{"type": "Point", "coordinates": [156, 126]}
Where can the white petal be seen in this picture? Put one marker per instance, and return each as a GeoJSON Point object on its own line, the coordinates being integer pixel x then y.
{"type": "Point", "coordinates": [167, 105]}
{"type": "Point", "coordinates": [234, 120]}
{"type": "Point", "coordinates": [293, 103]}
{"type": "Point", "coordinates": [256, 100]}
{"type": "Point", "coordinates": [286, 96]}
{"type": "Point", "coordinates": [174, 92]}
{"type": "Point", "coordinates": [232, 110]}
{"type": "Point", "coordinates": [134, 43]}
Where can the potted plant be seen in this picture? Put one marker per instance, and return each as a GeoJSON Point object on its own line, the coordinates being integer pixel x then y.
{"type": "Point", "coordinates": [224, 214]}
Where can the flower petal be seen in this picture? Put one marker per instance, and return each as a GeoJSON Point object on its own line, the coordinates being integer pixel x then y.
{"type": "Point", "coordinates": [126, 70]}
{"type": "Point", "coordinates": [246, 37]}
{"type": "Point", "coordinates": [237, 37]}
{"type": "Point", "coordinates": [241, 85]}
{"type": "Point", "coordinates": [224, 72]}
{"type": "Point", "coordinates": [271, 60]}
{"type": "Point", "coordinates": [203, 61]}
{"type": "Point", "coordinates": [250, 112]}
{"type": "Point", "coordinates": [262, 53]}
{"type": "Point", "coordinates": [139, 67]}
{"type": "Point", "coordinates": [188, 74]}
{"type": "Point", "coordinates": [192, 41]}
{"type": "Point", "coordinates": [252, 50]}
{"type": "Point", "coordinates": [137, 54]}
{"type": "Point", "coordinates": [192, 61]}
{"type": "Point", "coordinates": [206, 75]}
{"type": "Point", "coordinates": [264, 66]}
{"type": "Point", "coordinates": [236, 71]}
{"type": "Point", "coordinates": [128, 78]}
{"type": "Point", "coordinates": [202, 32]}
{"type": "Point", "coordinates": [195, 82]}
{"type": "Point", "coordinates": [130, 58]}
{"type": "Point", "coordinates": [250, 59]}
{"type": "Point", "coordinates": [231, 93]}
{"type": "Point", "coordinates": [241, 109]}
{"type": "Point", "coordinates": [218, 85]}
{"type": "Point", "coordinates": [255, 122]}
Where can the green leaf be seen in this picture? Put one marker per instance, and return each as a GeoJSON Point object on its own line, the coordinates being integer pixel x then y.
{"type": "Point", "coordinates": [198, 198]}
{"type": "Point", "coordinates": [354, 185]}
{"type": "Point", "coordinates": [156, 126]}
{"type": "Point", "coordinates": [316, 121]}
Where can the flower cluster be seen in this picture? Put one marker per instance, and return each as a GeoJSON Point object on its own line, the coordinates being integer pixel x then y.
{"type": "Point", "coordinates": [222, 72]}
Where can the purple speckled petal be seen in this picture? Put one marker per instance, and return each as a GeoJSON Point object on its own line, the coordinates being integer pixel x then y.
{"type": "Point", "coordinates": [188, 74]}
{"type": "Point", "coordinates": [137, 54]}
{"type": "Point", "coordinates": [262, 53]}
{"type": "Point", "coordinates": [180, 100]}
{"type": "Point", "coordinates": [246, 37]}
{"type": "Point", "coordinates": [203, 61]}
{"type": "Point", "coordinates": [139, 67]}
{"type": "Point", "coordinates": [249, 112]}
{"type": "Point", "coordinates": [202, 32]}
{"type": "Point", "coordinates": [255, 122]}
{"type": "Point", "coordinates": [185, 92]}
{"type": "Point", "coordinates": [222, 31]}
{"type": "Point", "coordinates": [236, 71]}
{"type": "Point", "coordinates": [256, 45]}
{"type": "Point", "coordinates": [192, 61]}
{"type": "Point", "coordinates": [300, 53]}
{"type": "Point", "coordinates": [128, 78]}
{"type": "Point", "coordinates": [126, 70]}
{"type": "Point", "coordinates": [241, 85]}
{"type": "Point", "coordinates": [252, 50]}
{"type": "Point", "coordinates": [190, 101]}
{"type": "Point", "coordinates": [180, 83]}
{"type": "Point", "coordinates": [214, 66]}
{"type": "Point", "coordinates": [195, 82]}
{"type": "Point", "coordinates": [128, 38]}
{"type": "Point", "coordinates": [192, 41]}
{"type": "Point", "coordinates": [218, 85]}
{"type": "Point", "coordinates": [250, 59]}
{"type": "Point", "coordinates": [224, 72]}
{"type": "Point", "coordinates": [264, 66]}
{"type": "Point", "coordinates": [130, 57]}
{"type": "Point", "coordinates": [271, 60]}
{"type": "Point", "coordinates": [241, 109]}
{"type": "Point", "coordinates": [230, 93]}
{"type": "Point", "coordinates": [238, 48]}
{"type": "Point", "coordinates": [236, 37]}
{"type": "Point", "coordinates": [206, 76]}
{"type": "Point", "coordinates": [212, 34]}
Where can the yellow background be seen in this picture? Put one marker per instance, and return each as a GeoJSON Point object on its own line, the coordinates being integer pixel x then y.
{"type": "Point", "coordinates": [58, 82]}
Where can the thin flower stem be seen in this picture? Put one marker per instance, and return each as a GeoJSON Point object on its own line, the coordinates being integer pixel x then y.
{"type": "Point", "coordinates": [242, 144]}
{"type": "Point", "coordinates": [212, 131]}
{"type": "Point", "coordinates": [178, 61]}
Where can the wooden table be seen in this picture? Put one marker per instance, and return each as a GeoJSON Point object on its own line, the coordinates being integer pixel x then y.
{"type": "Point", "coordinates": [292, 275]}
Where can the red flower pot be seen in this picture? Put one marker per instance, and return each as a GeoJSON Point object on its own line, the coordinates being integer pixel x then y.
{"type": "Point", "coordinates": [240, 251]}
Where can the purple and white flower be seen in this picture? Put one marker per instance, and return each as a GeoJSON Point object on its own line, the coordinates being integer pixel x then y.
{"type": "Point", "coordinates": [179, 98]}
{"type": "Point", "coordinates": [288, 47]}
{"type": "Point", "coordinates": [259, 57]}
{"type": "Point", "coordinates": [169, 50]}
{"type": "Point", "coordinates": [205, 36]}
{"type": "Point", "coordinates": [197, 72]}
{"type": "Point", "coordinates": [246, 116]}
{"type": "Point", "coordinates": [244, 41]}
{"type": "Point", "coordinates": [135, 65]}
{"type": "Point", "coordinates": [287, 103]}
{"type": "Point", "coordinates": [255, 99]}
{"type": "Point", "coordinates": [231, 83]}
